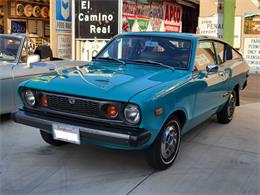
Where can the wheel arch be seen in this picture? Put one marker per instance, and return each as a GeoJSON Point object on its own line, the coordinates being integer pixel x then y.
{"type": "Point", "coordinates": [181, 116]}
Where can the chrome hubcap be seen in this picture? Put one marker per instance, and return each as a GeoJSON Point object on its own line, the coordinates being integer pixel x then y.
{"type": "Point", "coordinates": [169, 142]}
{"type": "Point", "coordinates": [231, 105]}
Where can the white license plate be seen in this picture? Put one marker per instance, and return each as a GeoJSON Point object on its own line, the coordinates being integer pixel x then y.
{"type": "Point", "coordinates": [67, 133]}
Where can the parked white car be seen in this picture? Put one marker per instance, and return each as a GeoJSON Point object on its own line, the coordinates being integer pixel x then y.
{"type": "Point", "coordinates": [18, 63]}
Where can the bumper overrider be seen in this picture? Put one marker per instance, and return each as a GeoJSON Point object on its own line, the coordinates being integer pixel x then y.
{"type": "Point", "coordinates": [113, 134]}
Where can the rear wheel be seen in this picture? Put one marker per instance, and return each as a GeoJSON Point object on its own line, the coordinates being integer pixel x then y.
{"type": "Point", "coordinates": [48, 138]}
{"type": "Point", "coordinates": [227, 112]}
{"type": "Point", "coordinates": [165, 148]}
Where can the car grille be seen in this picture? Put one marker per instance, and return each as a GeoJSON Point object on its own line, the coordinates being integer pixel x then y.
{"type": "Point", "coordinates": [73, 105]}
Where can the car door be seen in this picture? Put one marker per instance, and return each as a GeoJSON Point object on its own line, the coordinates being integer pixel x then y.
{"type": "Point", "coordinates": [234, 66]}
{"type": "Point", "coordinates": [12, 45]}
{"type": "Point", "coordinates": [223, 54]}
{"type": "Point", "coordinates": [6, 93]}
{"type": "Point", "coordinates": [209, 89]}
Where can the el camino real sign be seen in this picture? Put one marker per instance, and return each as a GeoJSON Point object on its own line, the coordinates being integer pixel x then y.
{"type": "Point", "coordinates": [96, 19]}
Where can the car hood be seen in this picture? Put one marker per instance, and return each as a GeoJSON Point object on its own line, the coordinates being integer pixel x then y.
{"type": "Point", "coordinates": [105, 80]}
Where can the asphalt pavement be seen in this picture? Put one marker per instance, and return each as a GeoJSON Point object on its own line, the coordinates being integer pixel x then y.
{"type": "Point", "coordinates": [213, 159]}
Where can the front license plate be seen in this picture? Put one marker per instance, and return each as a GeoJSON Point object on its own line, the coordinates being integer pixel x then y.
{"type": "Point", "coordinates": [66, 133]}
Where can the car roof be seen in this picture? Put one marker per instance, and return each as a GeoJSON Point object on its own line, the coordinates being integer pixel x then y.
{"type": "Point", "coordinates": [173, 34]}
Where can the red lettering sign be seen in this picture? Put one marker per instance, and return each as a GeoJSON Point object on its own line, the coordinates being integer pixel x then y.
{"type": "Point", "coordinates": [172, 17]}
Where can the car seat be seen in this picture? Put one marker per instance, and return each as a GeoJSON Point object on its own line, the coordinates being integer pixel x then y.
{"type": "Point", "coordinates": [44, 52]}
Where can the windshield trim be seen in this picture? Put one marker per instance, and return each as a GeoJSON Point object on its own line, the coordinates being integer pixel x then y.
{"type": "Point", "coordinates": [169, 37]}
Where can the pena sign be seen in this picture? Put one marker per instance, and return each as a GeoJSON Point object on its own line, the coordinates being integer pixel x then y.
{"type": "Point", "coordinates": [96, 19]}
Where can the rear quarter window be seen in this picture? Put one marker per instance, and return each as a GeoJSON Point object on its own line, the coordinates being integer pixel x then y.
{"type": "Point", "coordinates": [204, 55]}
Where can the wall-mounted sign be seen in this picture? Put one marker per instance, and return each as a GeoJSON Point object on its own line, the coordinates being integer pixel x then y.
{"type": "Point", "coordinates": [63, 15]}
{"type": "Point", "coordinates": [213, 26]}
{"type": "Point", "coordinates": [96, 19]}
{"type": "Point", "coordinates": [64, 46]}
{"type": "Point", "coordinates": [18, 26]}
{"type": "Point", "coordinates": [172, 15]}
{"type": "Point", "coordinates": [252, 23]}
{"type": "Point", "coordinates": [252, 53]}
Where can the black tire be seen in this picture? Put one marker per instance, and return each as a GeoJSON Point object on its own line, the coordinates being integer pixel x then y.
{"type": "Point", "coordinates": [47, 137]}
{"type": "Point", "coordinates": [158, 156]}
{"type": "Point", "coordinates": [226, 114]}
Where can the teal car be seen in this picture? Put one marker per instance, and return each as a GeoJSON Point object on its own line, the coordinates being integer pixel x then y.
{"type": "Point", "coordinates": [141, 92]}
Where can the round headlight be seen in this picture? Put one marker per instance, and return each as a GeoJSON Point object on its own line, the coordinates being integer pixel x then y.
{"type": "Point", "coordinates": [132, 114]}
{"type": "Point", "coordinates": [29, 98]}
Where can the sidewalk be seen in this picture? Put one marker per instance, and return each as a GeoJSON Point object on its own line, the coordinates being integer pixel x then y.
{"type": "Point", "coordinates": [213, 159]}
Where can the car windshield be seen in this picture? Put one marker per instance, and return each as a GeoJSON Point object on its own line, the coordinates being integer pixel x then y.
{"type": "Point", "coordinates": [149, 50]}
{"type": "Point", "coordinates": [9, 47]}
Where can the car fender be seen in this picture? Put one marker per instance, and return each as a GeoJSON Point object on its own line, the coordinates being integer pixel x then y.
{"type": "Point", "coordinates": [171, 97]}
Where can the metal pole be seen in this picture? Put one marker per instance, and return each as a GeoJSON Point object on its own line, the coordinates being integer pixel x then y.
{"type": "Point", "coordinates": [120, 15]}
{"type": "Point", "coordinates": [73, 30]}
{"type": "Point", "coordinates": [229, 21]}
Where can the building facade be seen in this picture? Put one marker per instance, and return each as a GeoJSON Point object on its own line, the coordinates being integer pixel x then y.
{"type": "Point", "coordinates": [96, 22]}
{"type": "Point", "coordinates": [78, 29]}
{"type": "Point", "coordinates": [246, 26]}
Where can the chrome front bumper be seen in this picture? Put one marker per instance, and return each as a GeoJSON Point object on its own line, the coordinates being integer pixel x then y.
{"type": "Point", "coordinates": [110, 134]}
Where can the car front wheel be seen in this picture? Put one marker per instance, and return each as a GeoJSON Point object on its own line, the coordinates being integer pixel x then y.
{"type": "Point", "coordinates": [47, 137]}
{"type": "Point", "coordinates": [227, 112]}
{"type": "Point", "coordinates": [165, 148]}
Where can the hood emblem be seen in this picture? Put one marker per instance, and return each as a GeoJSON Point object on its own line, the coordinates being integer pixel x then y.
{"type": "Point", "coordinates": [72, 101]}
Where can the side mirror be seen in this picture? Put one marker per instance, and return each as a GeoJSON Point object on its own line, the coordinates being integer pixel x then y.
{"type": "Point", "coordinates": [32, 59]}
{"type": "Point", "coordinates": [212, 68]}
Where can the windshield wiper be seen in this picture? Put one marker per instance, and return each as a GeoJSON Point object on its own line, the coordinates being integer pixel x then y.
{"type": "Point", "coordinates": [109, 58]}
{"type": "Point", "coordinates": [153, 62]}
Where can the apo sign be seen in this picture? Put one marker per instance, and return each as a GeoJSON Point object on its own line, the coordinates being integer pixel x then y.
{"type": "Point", "coordinates": [96, 19]}
{"type": "Point", "coordinates": [172, 15]}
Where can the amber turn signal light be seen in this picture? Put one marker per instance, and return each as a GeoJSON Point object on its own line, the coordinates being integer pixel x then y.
{"type": "Point", "coordinates": [44, 101]}
{"type": "Point", "coordinates": [111, 111]}
{"type": "Point", "coordinates": [158, 111]}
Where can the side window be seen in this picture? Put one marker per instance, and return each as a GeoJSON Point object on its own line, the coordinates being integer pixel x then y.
{"type": "Point", "coordinates": [236, 55]}
{"type": "Point", "coordinates": [231, 54]}
{"type": "Point", "coordinates": [204, 55]}
{"type": "Point", "coordinates": [220, 52]}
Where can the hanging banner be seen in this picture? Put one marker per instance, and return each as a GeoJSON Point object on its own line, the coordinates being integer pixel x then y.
{"type": "Point", "coordinates": [213, 26]}
{"type": "Point", "coordinates": [172, 15]}
{"type": "Point", "coordinates": [129, 11]}
{"type": "Point", "coordinates": [96, 19]}
{"type": "Point", "coordinates": [63, 16]}
{"type": "Point", "coordinates": [156, 15]}
{"type": "Point", "coordinates": [143, 24]}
